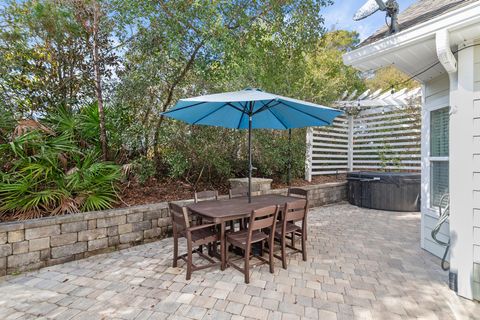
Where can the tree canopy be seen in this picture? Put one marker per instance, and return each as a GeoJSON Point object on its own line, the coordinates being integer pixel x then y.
{"type": "Point", "coordinates": [390, 77]}
{"type": "Point", "coordinates": [124, 62]}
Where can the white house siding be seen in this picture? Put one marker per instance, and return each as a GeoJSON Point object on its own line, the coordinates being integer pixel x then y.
{"type": "Point", "coordinates": [438, 88]}
{"type": "Point", "coordinates": [436, 95]}
{"type": "Point", "coordinates": [476, 175]}
{"type": "Point", "coordinates": [465, 170]}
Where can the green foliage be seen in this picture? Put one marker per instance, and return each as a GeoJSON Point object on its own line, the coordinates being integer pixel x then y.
{"type": "Point", "coordinates": [390, 77]}
{"type": "Point", "coordinates": [7, 125]}
{"type": "Point", "coordinates": [273, 153]}
{"type": "Point", "coordinates": [144, 169]}
{"type": "Point", "coordinates": [279, 47]}
{"type": "Point", "coordinates": [46, 55]}
{"type": "Point", "coordinates": [196, 152]}
{"type": "Point", "coordinates": [47, 172]}
{"type": "Point", "coordinates": [151, 53]}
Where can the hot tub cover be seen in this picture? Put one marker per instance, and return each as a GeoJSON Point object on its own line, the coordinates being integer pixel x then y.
{"type": "Point", "coordinates": [397, 178]}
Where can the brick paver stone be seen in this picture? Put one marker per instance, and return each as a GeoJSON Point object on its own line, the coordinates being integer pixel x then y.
{"type": "Point", "coordinates": [362, 264]}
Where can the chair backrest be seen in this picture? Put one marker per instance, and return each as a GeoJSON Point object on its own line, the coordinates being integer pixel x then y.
{"type": "Point", "coordinates": [297, 192]}
{"type": "Point", "coordinates": [238, 192]}
{"type": "Point", "coordinates": [295, 211]}
{"type": "Point", "coordinates": [206, 195]}
{"type": "Point", "coordinates": [179, 216]}
{"type": "Point", "coordinates": [263, 218]}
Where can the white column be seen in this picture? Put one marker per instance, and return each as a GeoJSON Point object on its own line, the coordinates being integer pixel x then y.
{"type": "Point", "coordinates": [461, 170]}
{"type": "Point", "coordinates": [425, 151]}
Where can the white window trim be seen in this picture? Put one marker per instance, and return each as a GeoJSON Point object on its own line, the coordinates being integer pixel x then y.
{"type": "Point", "coordinates": [426, 157]}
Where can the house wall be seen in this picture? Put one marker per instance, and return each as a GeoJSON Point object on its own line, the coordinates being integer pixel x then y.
{"type": "Point", "coordinates": [461, 92]}
{"type": "Point", "coordinates": [465, 171]}
{"type": "Point", "coordinates": [37, 243]}
{"type": "Point", "coordinates": [476, 174]}
{"type": "Point", "coordinates": [436, 95]}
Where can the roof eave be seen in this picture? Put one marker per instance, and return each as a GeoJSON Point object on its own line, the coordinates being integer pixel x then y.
{"type": "Point", "coordinates": [454, 20]}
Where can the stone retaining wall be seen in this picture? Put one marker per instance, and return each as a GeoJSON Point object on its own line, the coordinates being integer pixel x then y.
{"type": "Point", "coordinates": [32, 244]}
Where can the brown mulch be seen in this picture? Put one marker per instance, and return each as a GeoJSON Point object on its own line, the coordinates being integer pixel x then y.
{"type": "Point", "coordinates": [134, 193]}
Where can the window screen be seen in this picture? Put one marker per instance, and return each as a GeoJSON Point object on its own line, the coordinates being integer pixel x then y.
{"type": "Point", "coordinates": [439, 132]}
{"type": "Point", "coordinates": [438, 182]}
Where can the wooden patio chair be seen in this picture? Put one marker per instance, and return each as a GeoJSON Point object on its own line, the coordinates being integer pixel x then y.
{"type": "Point", "coordinates": [298, 193]}
{"type": "Point", "coordinates": [287, 229]}
{"type": "Point", "coordinates": [205, 195]}
{"type": "Point", "coordinates": [260, 220]}
{"type": "Point", "coordinates": [197, 236]}
{"type": "Point", "coordinates": [238, 192]}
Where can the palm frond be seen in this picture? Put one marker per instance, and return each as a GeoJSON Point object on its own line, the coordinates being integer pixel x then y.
{"type": "Point", "coordinates": [98, 200]}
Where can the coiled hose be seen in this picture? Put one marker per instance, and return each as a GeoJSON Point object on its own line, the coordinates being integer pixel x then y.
{"type": "Point", "coordinates": [444, 212]}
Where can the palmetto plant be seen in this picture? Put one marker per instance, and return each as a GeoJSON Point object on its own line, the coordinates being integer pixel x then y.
{"type": "Point", "coordinates": [55, 170]}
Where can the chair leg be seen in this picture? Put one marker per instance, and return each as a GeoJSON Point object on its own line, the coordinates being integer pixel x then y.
{"type": "Point", "coordinates": [305, 227]}
{"type": "Point", "coordinates": [304, 240]}
{"type": "Point", "coordinates": [227, 258]}
{"type": "Point", "coordinates": [270, 252]}
{"type": "Point", "coordinates": [247, 263]}
{"type": "Point", "coordinates": [189, 259]}
{"type": "Point", "coordinates": [293, 239]}
{"type": "Point", "coordinates": [284, 254]}
{"type": "Point", "coordinates": [261, 248]}
{"type": "Point", "coordinates": [175, 251]}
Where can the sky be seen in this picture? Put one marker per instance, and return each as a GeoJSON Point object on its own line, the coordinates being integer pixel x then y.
{"type": "Point", "coordinates": [340, 16]}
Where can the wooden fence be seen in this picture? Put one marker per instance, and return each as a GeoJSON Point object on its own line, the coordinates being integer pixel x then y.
{"type": "Point", "coordinates": [377, 132]}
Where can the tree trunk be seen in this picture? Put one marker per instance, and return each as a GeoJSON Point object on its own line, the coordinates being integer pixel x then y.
{"type": "Point", "coordinates": [181, 75]}
{"type": "Point", "coordinates": [98, 80]}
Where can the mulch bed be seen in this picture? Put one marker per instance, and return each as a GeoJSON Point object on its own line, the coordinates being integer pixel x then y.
{"type": "Point", "coordinates": [134, 193]}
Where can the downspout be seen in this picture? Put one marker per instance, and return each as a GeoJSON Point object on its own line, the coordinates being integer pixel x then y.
{"type": "Point", "coordinates": [449, 62]}
{"type": "Point", "coordinates": [444, 52]}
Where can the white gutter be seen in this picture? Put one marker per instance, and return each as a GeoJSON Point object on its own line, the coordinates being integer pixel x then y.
{"type": "Point", "coordinates": [463, 17]}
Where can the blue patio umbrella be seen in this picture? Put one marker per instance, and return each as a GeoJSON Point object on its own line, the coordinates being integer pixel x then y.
{"type": "Point", "coordinates": [251, 109]}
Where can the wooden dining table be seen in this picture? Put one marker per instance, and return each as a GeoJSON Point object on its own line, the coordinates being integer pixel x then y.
{"type": "Point", "coordinates": [225, 210]}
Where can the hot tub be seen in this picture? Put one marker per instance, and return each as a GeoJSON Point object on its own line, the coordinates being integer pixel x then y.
{"type": "Point", "coordinates": [392, 191]}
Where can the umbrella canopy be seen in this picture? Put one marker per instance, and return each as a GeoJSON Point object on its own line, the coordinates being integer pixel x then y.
{"type": "Point", "coordinates": [269, 111]}
{"type": "Point", "coordinates": [251, 109]}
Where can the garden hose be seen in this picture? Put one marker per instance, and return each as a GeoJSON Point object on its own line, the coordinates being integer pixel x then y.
{"type": "Point", "coordinates": [444, 214]}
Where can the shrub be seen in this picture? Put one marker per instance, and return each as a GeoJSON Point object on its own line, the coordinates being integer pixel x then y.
{"type": "Point", "coordinates": [213, 155]}
{"type": "Point", "coordinates": [50, 173]}
{"type": "Point", "coordinates": [143, 169]}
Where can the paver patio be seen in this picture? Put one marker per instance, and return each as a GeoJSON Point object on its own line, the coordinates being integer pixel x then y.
{"type": "Point", "coordinates": [362, 264]}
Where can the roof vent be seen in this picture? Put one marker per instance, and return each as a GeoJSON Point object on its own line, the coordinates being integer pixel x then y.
{"type": "Point", "coordinates": [390, 7]}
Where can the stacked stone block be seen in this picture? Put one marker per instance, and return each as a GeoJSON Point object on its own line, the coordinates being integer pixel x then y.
{"type": "Point", "coordinates": [33, 244]}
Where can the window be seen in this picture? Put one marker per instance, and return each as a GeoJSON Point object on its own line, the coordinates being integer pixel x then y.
{"type": "Point", "coordinates": [439, 181]}
{"type": "Point", "coordinates": [439, 121]}
{"type": "Point", "coordinates": [439, 132]}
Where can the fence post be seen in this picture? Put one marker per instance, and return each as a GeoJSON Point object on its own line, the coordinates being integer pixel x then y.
{"type": "Point", "coordinates": [309, 155]}
{"type": "Point", "coordinates": [350, 143]}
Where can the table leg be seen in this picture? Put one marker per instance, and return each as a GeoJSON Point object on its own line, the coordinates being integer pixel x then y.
{"type": "Point", "coordinates": [223, 252]}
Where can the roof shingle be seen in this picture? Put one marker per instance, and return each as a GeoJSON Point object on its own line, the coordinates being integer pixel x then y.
{"type": "Point", "coordinates": [420, 11]}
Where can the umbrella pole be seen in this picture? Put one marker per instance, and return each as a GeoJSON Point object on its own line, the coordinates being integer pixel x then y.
{"type": "Point", "coordinates": [249, 159]}
{"type": "Point", "coordinates": [289, 174]}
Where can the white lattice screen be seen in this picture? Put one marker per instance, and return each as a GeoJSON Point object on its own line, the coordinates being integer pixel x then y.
{"type": "Point", "coordinates": [377, 132]}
